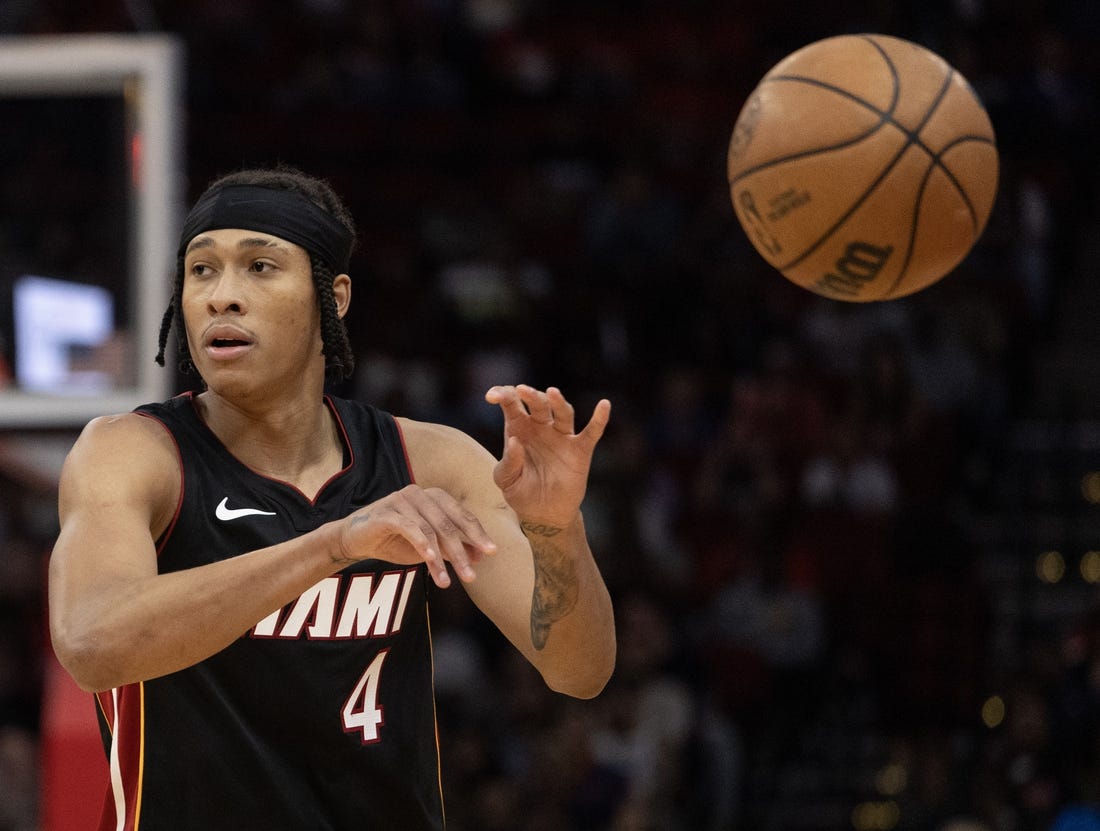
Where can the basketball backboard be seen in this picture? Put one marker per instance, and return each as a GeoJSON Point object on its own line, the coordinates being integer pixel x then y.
{"type": "Point", "coordinates": [90, 165]}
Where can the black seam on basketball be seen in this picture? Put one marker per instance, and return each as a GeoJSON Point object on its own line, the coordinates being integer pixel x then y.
{"type": "Point", "coordinates": [934, 162]}
{"type": "Point", "coordinates": [884, 117]}
{"type": "Point", "coordinates": [920, 196]}
{"type": "Point", "coordinates": [912, 234]}
{"type": "Point", "coordinates": [947, 171]}
{"type": "Point", "coordinates": [912, 140]}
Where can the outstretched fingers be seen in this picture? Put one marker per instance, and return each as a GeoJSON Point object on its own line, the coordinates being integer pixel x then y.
{"type": "Point", "coordinates": [422, 537]}
{"type": "Point", "coordinates": [507, 398]}
{"type": "Point", "coordinates": [562, 412]}
{"type": "Point", "coordinates": [523, 402]}
{"type": "Point", "coordinates": [428, 525]}
{"type": "Point", "coordinates": [458, 533]}
{"type": "Point", "coordinates": [601, 415]}
{"type": "Point", "coordinates": [537, 403]}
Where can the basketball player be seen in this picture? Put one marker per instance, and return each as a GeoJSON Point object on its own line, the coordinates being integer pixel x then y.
{"type": "Point", "coordinates": [242, 574]}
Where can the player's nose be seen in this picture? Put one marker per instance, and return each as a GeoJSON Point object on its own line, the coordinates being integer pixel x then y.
{"type": "Point", "coordinates": [227, 294]}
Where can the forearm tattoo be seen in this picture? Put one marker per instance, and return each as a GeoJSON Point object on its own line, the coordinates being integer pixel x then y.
{"type": "Point", "coordinates": [556, 588]}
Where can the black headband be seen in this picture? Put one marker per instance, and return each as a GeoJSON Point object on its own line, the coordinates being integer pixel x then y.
{"type": "Point", "coordinates": [283, 213]}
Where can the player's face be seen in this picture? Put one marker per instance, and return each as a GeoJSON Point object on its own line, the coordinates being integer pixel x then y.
{"type": "Point", "coordinates": [250, 308]}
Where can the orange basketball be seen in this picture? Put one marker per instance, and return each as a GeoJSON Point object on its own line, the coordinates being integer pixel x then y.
{"type": "Point", "coordinates": [863, 167]}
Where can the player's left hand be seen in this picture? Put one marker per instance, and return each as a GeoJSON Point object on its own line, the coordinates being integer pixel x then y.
{"type": "Point", "coordinates": [543, 471]}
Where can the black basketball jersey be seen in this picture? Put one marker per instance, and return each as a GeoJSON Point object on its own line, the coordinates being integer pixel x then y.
{"type": "Point", "coordinates": [322, 715]}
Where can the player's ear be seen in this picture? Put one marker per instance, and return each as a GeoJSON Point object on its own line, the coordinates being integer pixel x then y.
{"type": "Point", "coordinates": [341, 291]}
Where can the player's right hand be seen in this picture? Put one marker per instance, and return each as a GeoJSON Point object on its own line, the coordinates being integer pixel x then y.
{"type": "Point", "coordinates": [416, 525]}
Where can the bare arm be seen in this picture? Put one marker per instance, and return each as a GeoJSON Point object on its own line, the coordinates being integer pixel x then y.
{"type": "Point", "coordinates": [115, 620]}
{"type": "Point", "coordinates": [543, 590]}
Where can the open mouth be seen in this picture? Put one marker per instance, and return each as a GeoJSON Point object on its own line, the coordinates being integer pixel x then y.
{"type": "Point", "coordinates": [224, 343]}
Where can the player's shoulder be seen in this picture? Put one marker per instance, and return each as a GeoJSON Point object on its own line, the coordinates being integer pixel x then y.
{"type": "Point", "coordinates": [125, 427]}
{"type": "Point", "coordinates": [430, 431]}
{"type": "Point", "coordinates": [433, 437]}
{"type": "Point", "coordinates": [121, 460]}
{"type": "Point", "coordinates": [440, 454]}
{"type": "Point", "coordinates": [126, 439]}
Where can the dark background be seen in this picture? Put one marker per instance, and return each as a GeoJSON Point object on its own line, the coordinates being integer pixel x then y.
{"type": "Point", "coordinates": [853, 548]}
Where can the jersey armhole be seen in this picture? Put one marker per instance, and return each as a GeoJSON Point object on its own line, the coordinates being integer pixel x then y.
{"type": "Point", "coordinates": [162, 540]}
{"type": "Point", "coordinates": [404, 448]}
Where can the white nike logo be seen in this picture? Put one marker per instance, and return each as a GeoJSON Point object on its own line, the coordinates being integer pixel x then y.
{"type": "Point", "coordinates": [224, 512]}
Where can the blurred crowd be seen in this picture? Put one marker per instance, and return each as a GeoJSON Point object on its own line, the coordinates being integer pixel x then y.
{"type": "Point", "coordinates": [818, 520]}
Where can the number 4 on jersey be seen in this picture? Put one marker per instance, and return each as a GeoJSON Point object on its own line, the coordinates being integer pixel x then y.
{"type": "Point", "coordinates": [361, 710]}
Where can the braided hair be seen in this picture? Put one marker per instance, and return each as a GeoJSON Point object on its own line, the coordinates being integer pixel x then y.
{"type": "Point", "coordinates": [339, 357]}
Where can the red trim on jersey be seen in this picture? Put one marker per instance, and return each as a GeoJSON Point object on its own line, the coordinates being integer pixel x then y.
{"type": "Point", "coordinates": [404, 450]}
{"type": "Point", "coordinates": [347, 445]}
{"type": "Point", "coordinates": [127, 757]}
{"type": "Point", "coordinates": [106, 710]}
{"type": "Point", "coordinates": [435, 718]}
{"type": "Point", "coordinates": [343, 434]}
{"type": "Point", "coordinates": [431, 645]}
{"type": "Point", "coordinates": [162, 540]}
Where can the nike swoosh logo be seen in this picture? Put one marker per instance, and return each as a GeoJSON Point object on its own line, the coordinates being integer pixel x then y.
{"type": "Point", "coordinates": [224, 512]}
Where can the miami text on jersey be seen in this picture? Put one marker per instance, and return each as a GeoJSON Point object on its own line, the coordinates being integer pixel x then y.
{"type": "Point", "coordinates": [343, 606]}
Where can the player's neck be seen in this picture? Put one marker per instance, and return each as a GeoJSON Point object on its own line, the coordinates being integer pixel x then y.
{"type": "Point", "coordinates": [297, 441]}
